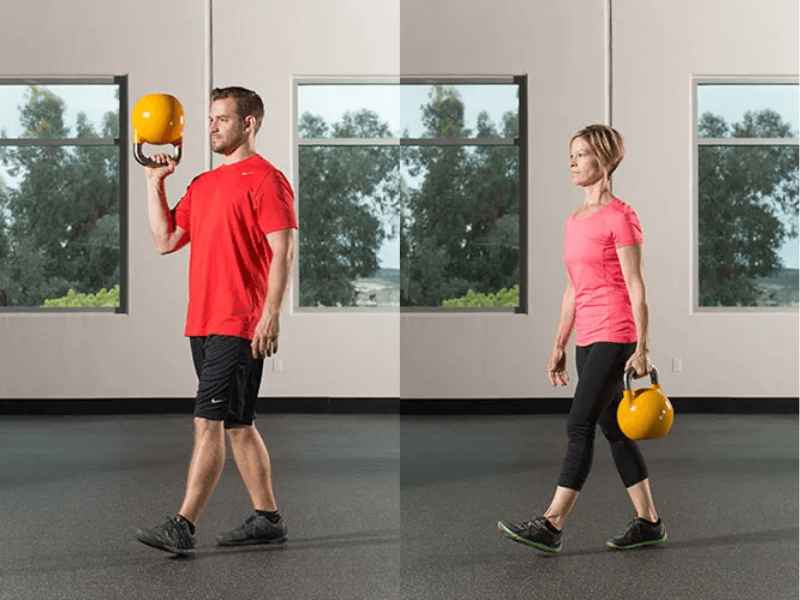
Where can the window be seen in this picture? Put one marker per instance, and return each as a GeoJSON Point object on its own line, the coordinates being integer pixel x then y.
{"type": "Point", "coordinates": [410, 195]}
{"type": "Point", "coordinates": [746, 169]}
{"type": "Point", "coordinates": [62, 195]}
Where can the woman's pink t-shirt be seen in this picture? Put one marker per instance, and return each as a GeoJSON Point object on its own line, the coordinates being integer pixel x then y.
{"type": "Point", "coordinates": [602, 306]}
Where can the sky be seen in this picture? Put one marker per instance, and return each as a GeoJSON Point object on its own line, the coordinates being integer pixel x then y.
{"type": "Point", "coordinates": [402, 112]}
{"type": "Point", "coordinates": [94, 100]}
{"type": "Point", "coordinates": [731, 101]}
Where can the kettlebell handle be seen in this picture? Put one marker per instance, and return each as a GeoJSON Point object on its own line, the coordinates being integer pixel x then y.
{"type": "Point", "coordinates": [630, 372]}
{"type": "Point", "coordinates": [146, 161]}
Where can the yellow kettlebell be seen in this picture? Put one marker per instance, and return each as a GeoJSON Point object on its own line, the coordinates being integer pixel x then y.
{"type": "Point", "coordinates": [645, 413]}
{"type": "Point", "coordinates": [158, 120]}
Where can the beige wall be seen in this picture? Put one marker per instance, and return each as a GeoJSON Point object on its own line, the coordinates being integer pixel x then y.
{"type": "Point", "coordinates": [559, 45]}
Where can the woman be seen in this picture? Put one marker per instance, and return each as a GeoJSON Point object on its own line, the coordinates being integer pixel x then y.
{"type": "Point", "coordinates": [605, 300]}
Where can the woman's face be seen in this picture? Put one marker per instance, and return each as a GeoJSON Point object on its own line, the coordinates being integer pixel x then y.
{"type": "Point", "coordinates": [583, 165]}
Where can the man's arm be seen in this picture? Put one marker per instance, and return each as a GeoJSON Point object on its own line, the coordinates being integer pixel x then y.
{"type": "Point", "coordinates": [282, 244]}
{"type": "Point", "coordinates": [265, 337]}
{"type": "Point", "coordinates": [167, 236]}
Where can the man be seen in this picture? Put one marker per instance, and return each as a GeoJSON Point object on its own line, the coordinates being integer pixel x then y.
{"type": "Point", "coordinates": [239, 219]}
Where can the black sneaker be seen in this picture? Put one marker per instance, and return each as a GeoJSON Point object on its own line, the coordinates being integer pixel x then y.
{"type": "Point", "coordinates": [173, 535]}
{"type": "Point", "coordinates": [535, 533]}
{"type": "Point", "coordinates": [640, 532]}
{"type": "Point", "coordinates": [257, 529]}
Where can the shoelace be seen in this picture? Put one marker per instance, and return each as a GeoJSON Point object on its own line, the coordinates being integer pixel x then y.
{"type": "Point", "coordinates": [178, 530]}
{"type": "Point", "coordinates": [633, 522]}
{"type": "Point", "coordinates": [535, 523]}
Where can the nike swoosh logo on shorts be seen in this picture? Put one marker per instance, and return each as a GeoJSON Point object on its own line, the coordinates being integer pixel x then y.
{"type": "Point", "coordinates": [217, 401]}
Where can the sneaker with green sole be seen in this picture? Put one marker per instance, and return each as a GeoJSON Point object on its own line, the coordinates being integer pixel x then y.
{"type": "Point", "coordinates": [534, 533]}
{"type": "Point", "coordinates": [639, 533]}
{"type": "Point", "coordinates": [173, 535]}
{"type": "Point", "coordinates": [257, 529]}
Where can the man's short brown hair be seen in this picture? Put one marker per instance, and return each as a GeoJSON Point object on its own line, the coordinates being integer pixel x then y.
{"type": "Point", "coordinates": [248, 103]}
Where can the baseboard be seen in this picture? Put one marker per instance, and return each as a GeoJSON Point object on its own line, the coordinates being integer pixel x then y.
{"type": "Point", "coordinates": [140, 406]}
{"type": "Point", "coordinates": [544, 406]}
{"type": "Point", "coordinates": [407, 406]}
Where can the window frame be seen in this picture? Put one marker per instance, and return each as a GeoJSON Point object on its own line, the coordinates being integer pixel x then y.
{"type": "Point", "coordinates": [121, 142]}
{"type": "Point", "coordinates": [697, 142]}
{"type": "Point", "coordinates": [521, 142]}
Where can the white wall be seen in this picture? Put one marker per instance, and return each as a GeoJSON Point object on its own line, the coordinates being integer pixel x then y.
{"type": "Point", "coordinates": [263, 46]}
{"type": "Point", "coordinates": [657, 47]}
{"type": "Point", "coordinates": [140, 354]}
{"type": "Point", "coordinates": [559, 45]}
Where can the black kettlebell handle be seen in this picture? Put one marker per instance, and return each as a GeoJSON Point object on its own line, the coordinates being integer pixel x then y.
{"type": "Point", "coordinates": [146, 161]}
{"type": "Point", "coordinates": [631, 371]}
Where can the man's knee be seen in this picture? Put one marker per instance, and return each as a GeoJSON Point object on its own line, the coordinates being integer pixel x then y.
{"type": "Point", "coordinates": [204, 426]}
{"type": "Point", "coordinates": [240, 433]}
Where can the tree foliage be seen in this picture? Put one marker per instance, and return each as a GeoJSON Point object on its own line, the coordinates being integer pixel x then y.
{"type": "Point", "coordinates": [460, 229]}
{"type": "Point", "coordinates": [346, 195]}
{"type": "Point", "coordinates": [73, 299]}
{"type": "Point", "coordinates": [748, 207]}
{"type": "Point", "coordinates": [59, 227]}
{"type": "Point", "coordinates": [504, 297]}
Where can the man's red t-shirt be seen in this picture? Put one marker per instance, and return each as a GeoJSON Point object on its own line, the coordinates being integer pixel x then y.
{"type": "Point", "coordinates": [227, 213]}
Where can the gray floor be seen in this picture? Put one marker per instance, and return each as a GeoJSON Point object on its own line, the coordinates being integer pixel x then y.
{"type": "Point", "coordinates": [726, 487]}
{"type": "Point", "coordinates": [73, 489]}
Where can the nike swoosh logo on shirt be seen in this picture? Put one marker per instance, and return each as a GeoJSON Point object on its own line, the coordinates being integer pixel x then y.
{"type": "Point", "coordinates": [217, 401]}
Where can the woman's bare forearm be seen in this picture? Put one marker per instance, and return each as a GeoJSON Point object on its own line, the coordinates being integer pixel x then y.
{"type": "Point", "coordinates": [566, 319]}
{"type": "Point", "coordinates": [640, 316]}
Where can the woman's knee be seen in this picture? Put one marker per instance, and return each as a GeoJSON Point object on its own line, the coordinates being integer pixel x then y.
{"type": "Point", "coordinates": [580, 430]}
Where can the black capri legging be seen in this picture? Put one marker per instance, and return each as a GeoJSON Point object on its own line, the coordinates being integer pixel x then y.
{"type": "Point", "coordinates": [600, 369]}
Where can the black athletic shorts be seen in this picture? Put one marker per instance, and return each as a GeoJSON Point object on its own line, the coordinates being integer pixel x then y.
{"type": "Point", "coordinates": [229, 378]}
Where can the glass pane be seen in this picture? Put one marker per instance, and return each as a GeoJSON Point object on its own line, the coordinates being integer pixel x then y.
{"type": "Point", "coordinates": [59, 111]}
{"type": "Point", "coordinates": [460, 226]}
{"type": "Point", "coordinates": [348, 204]}
{"type": "Point", "coordinates": [59, 226]}
{"type": "Point", "coordinates": [752, 110]}
{"type": "Point", "coordinates": [348, 110]}
{"type": "Point", "coordinates": [466, 111]}
{"type": "Point", "coordinates": [748, 220]}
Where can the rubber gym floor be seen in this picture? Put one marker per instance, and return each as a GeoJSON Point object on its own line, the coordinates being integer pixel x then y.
{"type": "Point", "coordinates": [388, 507]}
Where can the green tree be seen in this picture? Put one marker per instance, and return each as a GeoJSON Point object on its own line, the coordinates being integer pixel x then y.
{"type": "Point", "coordinates": [60, 225]}
{"type": "Point", "coordinates": [73, 299]}
{"type": "Point", "coordinates": [461, 223]}
{"type": "Point", "coordinates": [748, 207]}
{"type": "Point", "coordinates": [346, 194]}
{"type": "Point", "coordinates": [472, 299]}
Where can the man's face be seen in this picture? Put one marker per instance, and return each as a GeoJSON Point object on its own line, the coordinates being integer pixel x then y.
{"type": "Point", "coordinates": [225, 126]}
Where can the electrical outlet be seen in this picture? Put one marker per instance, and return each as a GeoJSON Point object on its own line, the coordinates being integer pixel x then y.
{"type": "Point", "coordinates": [277, 364]}
{"type": "Point", "coordinates": [677, 365]}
